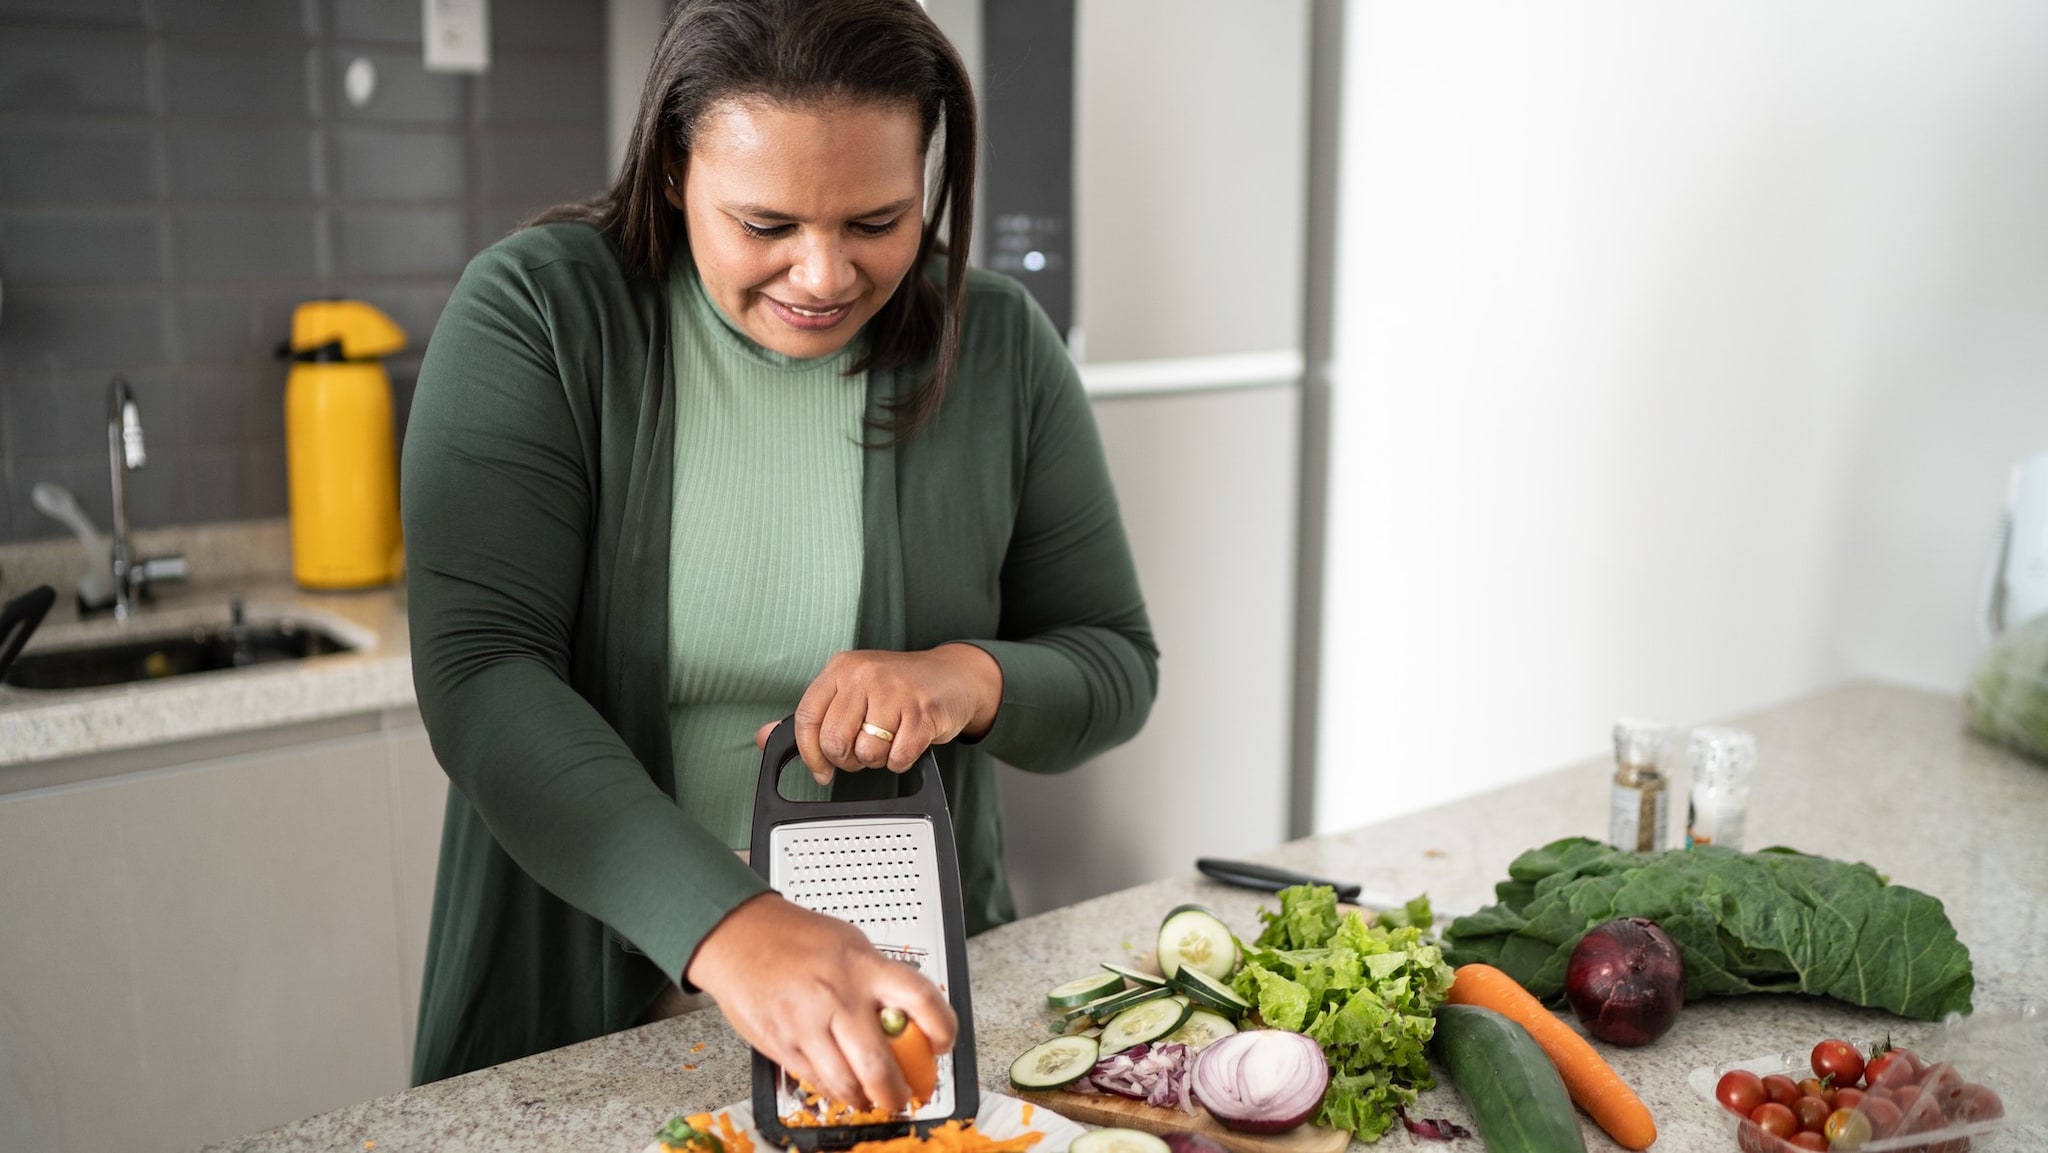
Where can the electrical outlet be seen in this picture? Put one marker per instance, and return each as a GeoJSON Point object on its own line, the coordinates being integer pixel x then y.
{"type": "Point", "coordinates": [457, 35]}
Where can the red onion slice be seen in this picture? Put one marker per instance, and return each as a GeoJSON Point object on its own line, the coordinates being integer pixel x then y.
{"type": "Point", "coordinates": [1262, 1080]}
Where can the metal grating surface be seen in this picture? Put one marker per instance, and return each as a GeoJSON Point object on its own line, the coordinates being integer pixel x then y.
{"type": "Point", "coordinates": [882, 875]}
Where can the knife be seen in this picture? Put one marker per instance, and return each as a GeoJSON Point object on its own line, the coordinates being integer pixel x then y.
{"type": "Point", "coordinates": [1266, 878]}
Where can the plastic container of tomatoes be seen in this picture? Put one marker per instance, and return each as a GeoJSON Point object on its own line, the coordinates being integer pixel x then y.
{"type": "Point", "coordinates": [1977, 1084]}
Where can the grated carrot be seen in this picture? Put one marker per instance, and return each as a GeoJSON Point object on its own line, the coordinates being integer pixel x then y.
{"type": "Point", "coordinates": [1028, 1110]}
{"type": "Point", "coordinates": [821, 1112]}
{"type": "Point", "coordinates": [697, 1048]}
{"type": "Point", "coordinates": [952, 1137]}
{"type": "Point", "coordinates": [735, 1139]}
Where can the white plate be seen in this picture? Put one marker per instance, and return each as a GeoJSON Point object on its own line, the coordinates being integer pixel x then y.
{"type": "Point", "coordinates": [1001, 1117]}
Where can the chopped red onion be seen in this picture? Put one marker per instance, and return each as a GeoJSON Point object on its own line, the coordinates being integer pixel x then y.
{"type": "Point", "coordinates": [1155, 1074]}
{"type": "Point", "coordinates": [1434, 1128]}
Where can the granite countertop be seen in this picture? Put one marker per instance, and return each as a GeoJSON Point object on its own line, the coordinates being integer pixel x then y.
{"type": "Point", "coordinates": [249, 561]}
{"type": "Point", "coordinates": [1863, 771]}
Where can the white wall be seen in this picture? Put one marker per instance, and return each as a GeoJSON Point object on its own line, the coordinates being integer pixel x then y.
{"type": "Point", "coordinates": [1681, 351]}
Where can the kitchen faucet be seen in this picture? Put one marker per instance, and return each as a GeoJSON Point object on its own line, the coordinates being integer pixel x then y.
{"type": "Point", "coordinates": [132, 576]}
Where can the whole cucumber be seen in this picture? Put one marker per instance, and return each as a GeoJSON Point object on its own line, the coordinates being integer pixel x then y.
{"type": "Point", "coordinates": [1508, 1081]}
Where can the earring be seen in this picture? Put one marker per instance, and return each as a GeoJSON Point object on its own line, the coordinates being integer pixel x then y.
{"type": "Point", "coordinates": [671, 179]}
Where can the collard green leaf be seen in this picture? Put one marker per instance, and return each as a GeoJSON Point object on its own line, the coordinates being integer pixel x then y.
{"type": "Point", "coordinates": [1775, 921]}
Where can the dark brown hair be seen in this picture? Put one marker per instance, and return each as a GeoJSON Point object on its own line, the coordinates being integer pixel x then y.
{"type": "Point", "coordinates": [803, 53]}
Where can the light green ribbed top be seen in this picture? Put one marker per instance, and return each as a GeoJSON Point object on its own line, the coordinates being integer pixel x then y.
{"type": "Point", "coordinates": [765, 541]}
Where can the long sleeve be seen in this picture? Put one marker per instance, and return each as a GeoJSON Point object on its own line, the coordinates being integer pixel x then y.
{"type": "Point", "coordinates": [500, 500]}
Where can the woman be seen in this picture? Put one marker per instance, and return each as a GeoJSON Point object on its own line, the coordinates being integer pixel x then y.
{"type": "Point", "coordinates": [739, 437]}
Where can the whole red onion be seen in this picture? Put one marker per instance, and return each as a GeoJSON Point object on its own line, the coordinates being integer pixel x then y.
{"type": "Point", "coordinates": [1626, 981]}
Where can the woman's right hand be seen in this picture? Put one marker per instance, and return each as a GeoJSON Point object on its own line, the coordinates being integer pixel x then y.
{"type": "Point", "coordinates": [807, 990]}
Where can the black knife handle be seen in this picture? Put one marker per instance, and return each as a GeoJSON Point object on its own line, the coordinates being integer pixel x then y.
{"type": "Point", "coordinates": [1266, 878]}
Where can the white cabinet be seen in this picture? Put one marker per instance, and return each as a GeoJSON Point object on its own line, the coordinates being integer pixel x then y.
{"type": "Point", "coordinates": [419, 792]}
{"type": "Point", "coordinates": [201, 948]}
{"type": "Point", "coordinates": [1205, 481]}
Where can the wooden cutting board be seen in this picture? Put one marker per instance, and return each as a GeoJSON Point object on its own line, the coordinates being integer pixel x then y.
{"type": "Point", "coordinates": [1123, 1112]}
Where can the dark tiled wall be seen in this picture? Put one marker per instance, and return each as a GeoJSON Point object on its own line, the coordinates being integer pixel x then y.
{"type": "Point", "coordinates": [176, 175]}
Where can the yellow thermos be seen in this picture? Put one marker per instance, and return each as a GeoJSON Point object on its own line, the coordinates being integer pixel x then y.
{"type": "Point", "coordinates": [339, 446]}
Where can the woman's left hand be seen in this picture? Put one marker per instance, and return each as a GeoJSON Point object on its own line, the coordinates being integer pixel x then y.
{"type": "Point", "coordinates": [916, 700]}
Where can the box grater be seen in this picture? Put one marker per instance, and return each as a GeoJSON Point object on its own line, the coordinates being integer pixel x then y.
{"type": "Point", "coordinates": [888, 866]}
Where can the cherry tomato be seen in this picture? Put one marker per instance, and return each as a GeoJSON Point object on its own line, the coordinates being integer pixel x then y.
{"type": "Point", "coordinates": [1838, 1059]}
{"type": "Point", "coordinates": [1941, 1082]}
{"type": "Point", "coordinates": [1750, 1139]}
{"type": "Point", "coordinates": [1923, 1116]}
{"type": "Point", "coordinates": [1816, 1087]}
{"type": "Point", "coordinates": [1846, 1129]}
{"type": "Point", "coordinates": [1812, 1113]}
{"type": "Point", "coordinates": [1781, 1089]}
{"type": "Point", "coordinates": [1740, 1091]}
{"type": "Point", "coordinates": [1809, 1140]}
{"type": "Point", "coordinates": [1891, 1067]}
{"type": "Point", "coordinates": [1904, 1096]}
{"type": "Point", "coordinates": [1775, 1119]}
{"type": "Point", "coordinates": [1848, 1098]}
{"type": "Point", "coordinates": [1884, 1115]}
{"type": "Point", "coordinates": [1979, 1103]}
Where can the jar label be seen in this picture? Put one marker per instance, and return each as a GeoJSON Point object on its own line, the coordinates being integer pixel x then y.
{"type": "Point", "coordinates": [1636, 819]}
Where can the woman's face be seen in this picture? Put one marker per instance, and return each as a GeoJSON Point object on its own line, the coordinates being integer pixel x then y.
{"type": "Point", "coordinates": [803, 220]}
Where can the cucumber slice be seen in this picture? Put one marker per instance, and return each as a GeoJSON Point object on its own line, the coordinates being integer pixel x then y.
{"type": "Point", "coordinates": [1211, 993]}
{"type": "Point", "coordinates": [1201, 1028]}
{"type": "Point", "coordinates": [1051, 1064]}
{"type": "Point", "coordinates": [1116, 1003]}
{"type": "Point", "coordinates": [1082, 990]}
{"type": "Point", "coordinates": [1195, 937]}
{"type": "Point", "coordinates": [1147, 1022]}
{"type": "Point", "coordinates": [1117, 1141]}
{"type": "Point", "coordinates": [1077, 1024]}
{"type": "Point", "coordinates": [1068, 1017]}
{"type": "Point", "coordinates": [1140, 980]}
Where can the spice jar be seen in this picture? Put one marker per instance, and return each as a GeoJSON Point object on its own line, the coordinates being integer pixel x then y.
{"type": "Point", "coordinates": [1722, 761]}
{"type": "Point", "coordinates": [1637, 817]}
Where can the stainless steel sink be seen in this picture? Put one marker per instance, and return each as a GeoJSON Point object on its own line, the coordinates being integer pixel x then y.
{"type": "Point", "coordinates": [199, 650]}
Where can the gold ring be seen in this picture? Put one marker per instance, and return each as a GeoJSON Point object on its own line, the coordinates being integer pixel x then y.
{"type": "Point", "coordinates": [877, 732]}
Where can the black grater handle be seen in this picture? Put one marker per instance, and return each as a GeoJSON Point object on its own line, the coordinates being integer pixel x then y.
{"type": "Point", "coordinates": [778, 809]}
{"type": "Point", "coordinates": [925, 794]}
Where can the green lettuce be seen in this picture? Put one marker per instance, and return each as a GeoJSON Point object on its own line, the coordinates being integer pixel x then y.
{"type": "Point", "coordinates": [1366, 993]}
{"type": "Point", "coordinates": [1775, 921]}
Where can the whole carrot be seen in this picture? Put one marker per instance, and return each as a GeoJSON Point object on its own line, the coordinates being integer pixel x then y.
{"type": "Point", "coordinates": [913, 1052]}
{"type": "Point", "coordinates": [1592, 1082]}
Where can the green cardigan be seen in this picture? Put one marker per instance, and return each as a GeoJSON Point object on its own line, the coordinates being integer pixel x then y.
{"type": "Point", "coordinates": [536, 497]}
